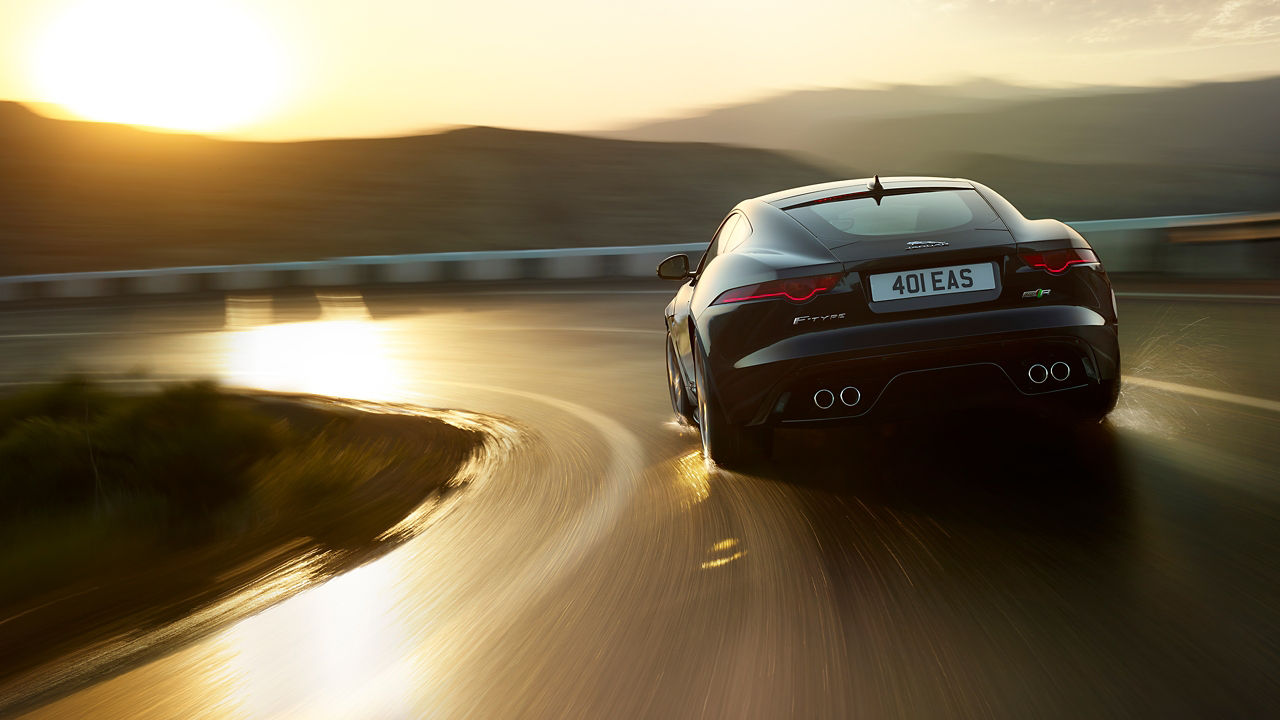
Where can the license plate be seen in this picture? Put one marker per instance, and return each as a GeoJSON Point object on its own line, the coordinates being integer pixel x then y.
{"type": "Point", "coordinates": [933, 281]}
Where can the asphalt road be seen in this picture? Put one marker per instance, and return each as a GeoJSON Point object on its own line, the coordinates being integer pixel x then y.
{"type": "Point", "coordinates": [959, 567]}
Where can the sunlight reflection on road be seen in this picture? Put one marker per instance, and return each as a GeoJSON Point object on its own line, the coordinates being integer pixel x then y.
{"type": "Point", "coordinates": [334, 651]}
{"type": "Point", "coordinates": [693, 477]}
{"type": "Point", "coordinates": [344, 353]}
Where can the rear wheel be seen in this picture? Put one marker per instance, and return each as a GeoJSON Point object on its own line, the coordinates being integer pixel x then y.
{"type": "Point", "coordinates": [680, 403]}
{"type": "Point", "coordinates": [727, 444]}
{"type": "Point", "coordinates": [1100, 401]}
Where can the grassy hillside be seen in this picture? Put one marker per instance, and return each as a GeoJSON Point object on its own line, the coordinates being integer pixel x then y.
{"type": "Point", "coordinates": [785, 120]}
{"type": "Point", "coordinates": [1211, 125]}
{"type": "Point", "coordinates": [83, 196]}
{"type": "Point", "coordinates": [1204, 148]}
{"type": "Point", "coordinates": [1089, 191]}
{"type": "Point", "coordinates": [1107, 152]}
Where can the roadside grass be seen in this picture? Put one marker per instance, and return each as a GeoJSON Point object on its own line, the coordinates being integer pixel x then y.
{"type": "Point", "coordinates": [96, 485]}
{"type": "Point", "coordinates": [39, 552]}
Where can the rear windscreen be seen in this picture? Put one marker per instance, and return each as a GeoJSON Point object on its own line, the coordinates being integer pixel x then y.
{"type": "Point", "coordinates": [914, 213]}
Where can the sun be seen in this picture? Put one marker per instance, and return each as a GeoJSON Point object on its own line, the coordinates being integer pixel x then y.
{"type": "Point", "coordinates": [191, 65]}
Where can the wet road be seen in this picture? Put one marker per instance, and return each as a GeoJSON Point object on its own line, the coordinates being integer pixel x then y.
{"type": "Point", "coordinates": [955, 568]}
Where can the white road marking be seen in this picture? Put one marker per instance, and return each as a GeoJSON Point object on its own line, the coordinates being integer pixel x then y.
{"type": "Point", "coordinates": [1219, 395]}
{"type": "Point", "coordinates": [469, 328]}
{"type": "Point", "coordinates": [149, 380]}
{"type": "Point", "coordinates": [87, 333]}
{"type": "Point", "coordinates": [1205, 393]}
{"type": "Point", "coordinates": [1194, 296]}
{"type": "Point", "coordinates": [550, 328]}
{"type": "Point", "coordinates": [602, 291]}
{"type": "Point", "coordinates": [42, 606]}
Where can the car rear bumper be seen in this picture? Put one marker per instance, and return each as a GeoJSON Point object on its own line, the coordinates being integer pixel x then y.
{"type": "Point", "coordinates": [924, 365]}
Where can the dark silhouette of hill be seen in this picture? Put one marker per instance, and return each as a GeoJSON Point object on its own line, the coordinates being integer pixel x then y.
{"type": "Point", "coordinates": [1095, 191]}
{"type": "Point", "coordinates": [1215, 124]}
{"type": "Point", "coordinates": [784, 120]}
{"type": "Point", "coordinates": [1088, 153]}
{"type": "Point", "coordinates": [80, 196]}
{"type": "Point", "coordinates": [1203, 148]}
{"type": "Point", "coordinates": [88, 196]}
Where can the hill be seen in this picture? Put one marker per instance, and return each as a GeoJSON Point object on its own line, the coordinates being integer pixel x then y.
{"type": "Point", "coordinates": [783, 120]}
{"type": "Point", "coordinates": [1103, 153]}
{"type": "Point", "coordinates": [86, 196]}
{"type": "Point", "coordinates": [1216, 124]}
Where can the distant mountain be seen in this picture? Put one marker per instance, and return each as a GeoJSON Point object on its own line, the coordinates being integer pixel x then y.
{"type": "Point", "coordinates": [1204, 148]}
{"type": "Point", "coordinates": [1209, 125]}
{"type": "Point", "coordinates": [1086, 153]}
{"type": "Point", "coordinates": [82, 196]}
{"type": "Point", "coordinates": [1089, 191]}
{"type": "Point", "coordinates": [783, 121]}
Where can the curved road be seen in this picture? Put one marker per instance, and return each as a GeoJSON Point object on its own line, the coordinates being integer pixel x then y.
{"type": "Point", "coordinates": [961, 567]}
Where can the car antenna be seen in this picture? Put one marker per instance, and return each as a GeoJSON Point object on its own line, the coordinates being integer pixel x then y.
{"type": "Point", "coordinates": [877, 188]}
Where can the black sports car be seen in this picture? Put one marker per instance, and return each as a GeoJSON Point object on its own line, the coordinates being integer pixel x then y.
{"type": "Point", "coordinates": [871, 299]}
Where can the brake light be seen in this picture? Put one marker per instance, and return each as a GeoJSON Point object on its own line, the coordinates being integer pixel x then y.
{"type": "Point", "coordinates": [796, 290]}
{"type": "Point", "coordinates": [1057, 261]}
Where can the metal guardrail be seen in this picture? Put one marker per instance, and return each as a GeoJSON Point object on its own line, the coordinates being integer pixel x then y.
{"type": "Point", "coordinates": [1235, 245]}
{"type": "Point", "coordinates": [1232, 245]}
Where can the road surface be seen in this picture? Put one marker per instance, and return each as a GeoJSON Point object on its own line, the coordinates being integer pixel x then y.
{"type": "Point", "coordinates": [954, 568]}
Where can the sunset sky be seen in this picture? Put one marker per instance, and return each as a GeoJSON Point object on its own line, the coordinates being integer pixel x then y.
{"type": "Point", "coordinates": [279, 69]}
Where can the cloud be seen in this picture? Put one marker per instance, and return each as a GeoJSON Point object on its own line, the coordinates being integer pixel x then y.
{"type": "Point", "coordinates": [1244, 20]}
{"type": "Point", "coordinates": [1134, 22]}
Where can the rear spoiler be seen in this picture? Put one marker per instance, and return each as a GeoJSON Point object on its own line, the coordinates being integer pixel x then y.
{"type": "Point", "coordinates": [877, 194]}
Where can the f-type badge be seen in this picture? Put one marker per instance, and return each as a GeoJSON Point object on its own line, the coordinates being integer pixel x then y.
{"type": "Point", "coordinates": [922, 244]}
{"type": "Point", "coordinates": [817, 318]}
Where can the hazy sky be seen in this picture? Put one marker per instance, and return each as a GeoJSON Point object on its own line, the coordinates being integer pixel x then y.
{"type": "Point", "coordinates": [387, 66]}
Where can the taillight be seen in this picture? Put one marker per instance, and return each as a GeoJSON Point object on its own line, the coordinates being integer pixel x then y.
{"type": "Point", "coordinates": [1057, 261]}
{"type": "Point", "coordinates": [797, 290]}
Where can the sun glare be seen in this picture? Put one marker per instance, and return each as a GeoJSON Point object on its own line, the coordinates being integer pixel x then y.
{"type": "Point", "coordinates": [343, 354]}
{"type": "Point", "coordinates": [203, 66]}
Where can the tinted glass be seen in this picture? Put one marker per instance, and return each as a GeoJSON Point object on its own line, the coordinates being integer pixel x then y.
{"type": "Point", "coordinates": [920, 213]}
{"type": "Point", "coordinates": [717, 242]}
{"type": "Point", "coordinates": [741, 231]}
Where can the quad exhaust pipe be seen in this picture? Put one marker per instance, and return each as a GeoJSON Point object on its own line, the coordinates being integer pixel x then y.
{"type": "Point", "coordinates": [1039, 374]}
{"type": "Point", "coordinates": [849, 396]}
{"type": "Point", "coordinates": [1060, 371]}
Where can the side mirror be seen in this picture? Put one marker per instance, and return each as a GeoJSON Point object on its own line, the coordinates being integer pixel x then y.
{"type": "Point", "coordinates": [675, 267]}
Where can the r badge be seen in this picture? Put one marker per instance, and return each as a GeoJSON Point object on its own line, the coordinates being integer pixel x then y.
{"type": "Point", "coordinates": [1035, 294]}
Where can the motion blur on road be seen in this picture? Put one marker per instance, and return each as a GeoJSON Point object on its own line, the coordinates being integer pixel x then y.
{"type": "Point", "coordinates": [959, 566]}
{"type": "Point", "coordinates": [455, 210]}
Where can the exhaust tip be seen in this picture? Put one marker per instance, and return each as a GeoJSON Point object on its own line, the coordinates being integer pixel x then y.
{"type": "Point", "coordinates": [1060, 371]}
{"type": "Point", "coordinates": [824, 399]}
{"type": "Point", "coordinates": [850, 396]}
{"type": "Point", "coordinates": [1038, 373]}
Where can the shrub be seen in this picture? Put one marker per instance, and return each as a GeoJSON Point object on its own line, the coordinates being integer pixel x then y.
{"type": "Point", "coordinates": [70, 445]}
{"type": "Point", "coordinates": [189, 444]}
{"type": "Point", "coordinates": [71, 399]}
{"type": "Point", "coordinates": [46, 464]}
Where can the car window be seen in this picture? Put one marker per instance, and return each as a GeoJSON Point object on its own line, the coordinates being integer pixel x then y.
{"type": "Point", "coordinates": [740, 232]}
{"type": "Point", "coordinates": [844, 221]}
{"type": "Point", "coordinates": [718, 241]}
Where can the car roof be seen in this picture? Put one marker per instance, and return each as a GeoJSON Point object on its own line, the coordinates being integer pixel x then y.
{"type": "Point", "coordinates": [810, 193]}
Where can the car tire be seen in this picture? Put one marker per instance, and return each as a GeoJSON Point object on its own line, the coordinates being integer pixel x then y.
{"type": "Point", "coordinates": [726, 444]}
{"type": "Point", "coordinates": [680, 403]}
{"type": "Point", "coordinates": [1100, 401]}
